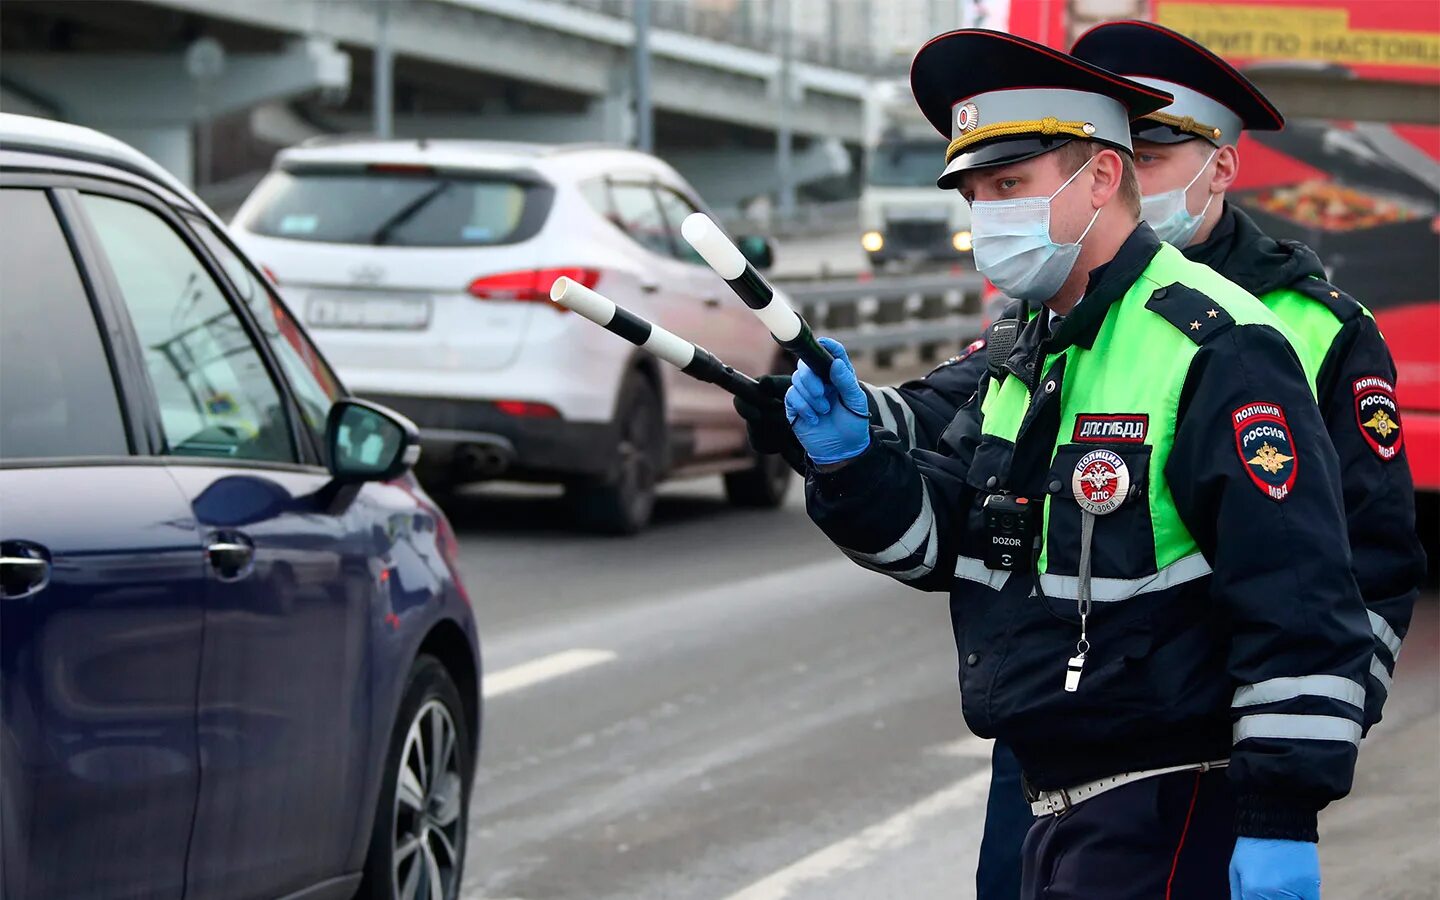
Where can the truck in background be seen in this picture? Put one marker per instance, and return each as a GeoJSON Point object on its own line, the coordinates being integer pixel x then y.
{"type": "Point", "coordinates": [904, 219]}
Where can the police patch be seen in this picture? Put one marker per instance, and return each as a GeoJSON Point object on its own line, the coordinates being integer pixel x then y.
{"type": "Point", "coordinates": [1262, 438]}
{"type": "Point", "coordinates": [1108, 428]}
{"type": "Point", "coordinates": [1100, 482]}
{"type": "Point", "coordinates": [1378, 416]}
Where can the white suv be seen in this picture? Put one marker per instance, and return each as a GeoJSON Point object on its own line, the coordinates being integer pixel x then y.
{"type": "Point", "coordinates": [423, 269]}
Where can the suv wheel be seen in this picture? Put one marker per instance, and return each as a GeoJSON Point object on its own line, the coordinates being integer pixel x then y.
{"type": "Point", "coordinates": [417, 847]}
{"type": "Point", "coordinates": [623, 501]}
{"type": "Point", "coordinates": [763, 485]}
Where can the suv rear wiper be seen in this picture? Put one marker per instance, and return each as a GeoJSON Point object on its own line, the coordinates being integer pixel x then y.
{"type": "Point", "coordinates": [408, 211]}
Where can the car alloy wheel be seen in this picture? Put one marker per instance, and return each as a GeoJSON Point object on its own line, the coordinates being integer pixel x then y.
{"type": "Point", "coordinates": [428, 802]}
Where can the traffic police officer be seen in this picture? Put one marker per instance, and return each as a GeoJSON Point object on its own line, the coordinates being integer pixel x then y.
{"type": "Point", "coordinates": [1145, 499]}
{"type": "Point", "coordinates": [1186, 158]}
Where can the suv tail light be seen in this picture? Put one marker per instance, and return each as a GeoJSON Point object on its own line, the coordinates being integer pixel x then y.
{"type": "Point", "coordinates": [527, 410]}
{"type": "Point", "coordinates": [529, 286]}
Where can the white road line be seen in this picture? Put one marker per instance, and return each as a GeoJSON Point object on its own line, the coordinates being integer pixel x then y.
{"type": "Point", "coordinates": [863, 848]}
{"type": "Point", "coordinates": [543, 669]}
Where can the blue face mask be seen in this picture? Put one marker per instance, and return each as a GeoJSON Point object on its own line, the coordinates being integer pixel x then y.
{"type": "Point", "coordinates": [1013, 247]}
{"type": "Point", "coordinates": [1169, 213]}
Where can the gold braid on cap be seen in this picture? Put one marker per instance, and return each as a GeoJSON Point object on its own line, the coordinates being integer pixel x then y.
{"type": "Point", "coordinates": [1186, 125]}
{"type": "Point", "coordinates": [1036, 127]}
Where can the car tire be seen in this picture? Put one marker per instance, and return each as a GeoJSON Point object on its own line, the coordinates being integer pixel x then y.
{"type": "Point", "coordinates": [621, 502]}
{"type": "Point", "coordinates": [421, 818]}
{"type": "Point", "coordinates": [763, 485]}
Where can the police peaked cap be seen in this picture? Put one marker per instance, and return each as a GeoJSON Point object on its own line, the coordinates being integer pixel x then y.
{"type": "Point", "coordinates": [1213, 101]}
{"type": "Point", "coordinates": [1002, 99]}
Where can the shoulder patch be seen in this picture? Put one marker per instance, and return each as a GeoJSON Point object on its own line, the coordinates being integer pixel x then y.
{"type": "Point", "coordinates": [1378, 415]}
{"type": "Point", "coordinates": [969, 351]}
{"type": "Point", "coordinates": [1196, 316]}
{"type": "Point", "coordinates": [1267, 452]}
{"type": "Point", "coordinates": [1341, 305]}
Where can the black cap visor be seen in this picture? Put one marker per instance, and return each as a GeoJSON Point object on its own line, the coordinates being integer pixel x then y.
{"type": "Point", "coordinates": [1157, 133]}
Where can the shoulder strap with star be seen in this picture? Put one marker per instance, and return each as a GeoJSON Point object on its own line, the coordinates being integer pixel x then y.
{"type": "Point", "coordinates": [1195, 315]}
{"type": "Point", "coordinates": [1341, 305]}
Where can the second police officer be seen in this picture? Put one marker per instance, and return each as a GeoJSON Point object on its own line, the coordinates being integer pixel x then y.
{"type": "Point", "coordinates": [1144, 496]}
{"type": "Point", "coordinates": [1186, 159]}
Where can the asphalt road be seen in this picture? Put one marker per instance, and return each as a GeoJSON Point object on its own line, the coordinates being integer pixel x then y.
{"type": "Point", "coordinates": [725, 708]}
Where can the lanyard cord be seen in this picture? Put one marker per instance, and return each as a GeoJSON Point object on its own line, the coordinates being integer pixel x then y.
{"type": "Point", "coordinates": [1087, 533]}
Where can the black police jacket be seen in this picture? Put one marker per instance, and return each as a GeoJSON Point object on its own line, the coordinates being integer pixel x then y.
{"type": "Point", "coordinates": [1387, 558]}
{"type": "Point", "coordinates": [1279, 613]}
{"type": "Point", "coordinates": [1386, 554]}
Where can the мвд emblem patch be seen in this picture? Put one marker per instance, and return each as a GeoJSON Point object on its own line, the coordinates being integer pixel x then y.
{"type": "Point", "coordinates": [1378, 416]}
{"type": "Point", "coordinates": [1262, 438]}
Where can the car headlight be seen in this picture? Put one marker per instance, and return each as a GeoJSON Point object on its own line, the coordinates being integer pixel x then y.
{"type": "Point", "coordinates": [961, 241]}
{"type": "Point", "coordinates": [872, 241]}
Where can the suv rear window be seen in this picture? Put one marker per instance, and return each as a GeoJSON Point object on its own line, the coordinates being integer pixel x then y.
{"type": "Point", "coordinates": [420, 208]}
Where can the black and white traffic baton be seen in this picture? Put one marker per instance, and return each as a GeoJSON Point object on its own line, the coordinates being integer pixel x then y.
{"type": "Point", "coordinates": [693, 360]}
{"type": "Point", "coordinates": [787, 326]}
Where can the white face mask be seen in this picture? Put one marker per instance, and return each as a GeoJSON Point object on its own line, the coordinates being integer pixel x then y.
{"type": "Point", "coordinates": [1013, 247]}
{"type": "Point", "coordinates": [1169, 213]}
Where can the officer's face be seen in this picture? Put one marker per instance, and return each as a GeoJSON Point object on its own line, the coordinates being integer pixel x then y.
{"type": "Point", "coordinates": [1168, 167]}
{"type": "Point", "coordinates": [1041, 176]}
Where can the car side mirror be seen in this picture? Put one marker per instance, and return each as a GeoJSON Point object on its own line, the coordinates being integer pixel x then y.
{"type": "Point", "coordinates": [756, 250]}
{"type": "Point", "coordinates": [368, 442]}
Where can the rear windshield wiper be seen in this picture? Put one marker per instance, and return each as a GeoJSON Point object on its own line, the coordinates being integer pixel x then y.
{"type": "Point", "coordinates": [408, 211]}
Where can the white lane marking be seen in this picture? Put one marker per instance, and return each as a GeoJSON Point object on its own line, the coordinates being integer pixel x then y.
{"type": "Point", "coordinates": [969, 747]}
{"type": "Point", "coordinates": [863, 848]}
{"type": "Point", "coordinates": [543, 669]}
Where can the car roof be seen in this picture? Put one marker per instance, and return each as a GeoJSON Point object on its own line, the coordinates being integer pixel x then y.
{"type": "Point", "coordinates": [35, 135]}
{"type": "Point", "coordinates": [565, 161]}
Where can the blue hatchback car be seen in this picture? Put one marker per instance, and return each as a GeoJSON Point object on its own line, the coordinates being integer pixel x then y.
{"type": "Point", "coordinates": [236, 659]}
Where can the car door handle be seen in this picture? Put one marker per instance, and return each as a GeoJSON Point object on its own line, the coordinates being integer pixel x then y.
{"type": "Point", "coordinates": [230, 558]}
{"type": "Point", "coordinates": [712, 302]}
{"type": "Point", "coordinates": [21, 576]}
{"type": "Point", "coordinates": [650, 287]}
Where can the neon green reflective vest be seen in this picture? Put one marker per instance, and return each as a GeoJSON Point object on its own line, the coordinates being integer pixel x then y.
{"type": "Point", "coordinates": [1137, 365]}
{"type": "Point", "coordinates": [1314, 325]}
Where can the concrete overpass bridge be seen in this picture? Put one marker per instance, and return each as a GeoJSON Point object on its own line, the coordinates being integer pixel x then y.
{"type": "Point", "coordinates": [276, 71]}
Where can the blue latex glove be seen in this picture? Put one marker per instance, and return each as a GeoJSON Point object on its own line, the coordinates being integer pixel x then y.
{"type": "Point", "coordinates": [1266, 869]}
{"type": "Point", "coordinates": [818, 413]}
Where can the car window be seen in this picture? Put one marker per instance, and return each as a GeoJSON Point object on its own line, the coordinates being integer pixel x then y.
{"type": "Point", "coordinates": [216, 398]}
{"type": "Point", "coordinates": [398, 206]}
{"type": "Point", "coordinates": [314, 384]}
{"type": "Point", "coordinates": [676, 208]}
{"type": "Point", "coordinates": [640, 216]}
{"type": "Point", "coordinates": [597, 193]}
{"type": "Point", "coordinates": [57, 397]}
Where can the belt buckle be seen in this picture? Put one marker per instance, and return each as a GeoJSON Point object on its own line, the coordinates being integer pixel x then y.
{"type": "Point", "coordinates": [1058, 801]}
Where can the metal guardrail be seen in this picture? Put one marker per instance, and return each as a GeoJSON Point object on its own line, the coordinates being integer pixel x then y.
{"type": "Point", "coordinates": [882, 320]}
